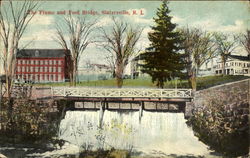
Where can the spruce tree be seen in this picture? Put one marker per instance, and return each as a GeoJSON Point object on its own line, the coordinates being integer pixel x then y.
{"type": "Point", "coordinates": [162, 60]}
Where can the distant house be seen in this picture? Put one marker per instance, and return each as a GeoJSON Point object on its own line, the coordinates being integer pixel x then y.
{"type": "Point", "coordinates": [235, 65]}
{"type": "Point", "coordinates": [42, 65]}
{"type": "Point", "coordinates": [94, 72]}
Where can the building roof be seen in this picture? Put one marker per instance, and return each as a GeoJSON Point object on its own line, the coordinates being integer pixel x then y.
{"type": "Point", "coordinates": [41, 53]}
{"type": "Point", "coordinates": [243, 58]}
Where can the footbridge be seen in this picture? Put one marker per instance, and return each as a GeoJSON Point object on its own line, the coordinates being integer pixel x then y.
{"type": "Point", "coordinates": [125, 98]}
{"type": "Point", "coordinates": [122, 93]}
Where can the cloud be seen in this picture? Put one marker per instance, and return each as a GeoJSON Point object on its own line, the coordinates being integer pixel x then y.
{"type": "Point", "coordinates": [177, 19]}
{"type": "Point", "coordinates": [42, 35]}
{"type": "Point", "coordinates": [104, 21]}
{"type": "Point", "coordinates": [239, 26]}
{"type": "Point", "coordinates": [42, 20]}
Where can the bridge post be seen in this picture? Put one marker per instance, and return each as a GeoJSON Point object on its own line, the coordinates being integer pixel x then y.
{"type": "Point", "coordinates": [101, 114]}
{"type": "Point", "coordinates": [141, 110]}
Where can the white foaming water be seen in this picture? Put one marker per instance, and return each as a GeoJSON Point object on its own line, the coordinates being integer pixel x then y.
{"type": "Point", "coordinates": [156, 132]}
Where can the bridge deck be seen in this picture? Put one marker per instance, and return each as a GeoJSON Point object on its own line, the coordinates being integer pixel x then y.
{"type": "Point", "coordinates": [82, 92]}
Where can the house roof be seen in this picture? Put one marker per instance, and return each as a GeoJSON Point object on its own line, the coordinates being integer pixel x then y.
{"type": "Point", "coordinates": [243, 58]}
{"type": "Point", "coordinates": [41, 53]}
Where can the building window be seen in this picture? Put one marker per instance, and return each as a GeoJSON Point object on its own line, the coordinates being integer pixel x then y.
{"type": "Point", "coordinates": [31, 69]}
{"type": "Point", "coordinates": [32, 62]}
{"type": "Point", "coordinates": [54, 69]}
{"type": "Point", "coordinates": [27, 69]}
{"type": "Point", "coordinates": [41, 77]}
{"type": "Point", "coordinates": [36, 78]}
{"type": "Point", "coordinates": [18, 69]}
{"type": "Point", "coordinates": [50, 62]}
{"type": "Point", "coordinates": [59, 69]}
{"type": "Point", "coordinates": [41, 62]}
{"type": "Point", "coordinates": [59, 78]}
{"type": "Point", "coordinates": [41, 69]}
{"type": "Point", "coordinates": [46, 62]}
{"type": "Point", "coordinates": [45, 69]}
{"type": "Point", "coordinates": [59, 62]}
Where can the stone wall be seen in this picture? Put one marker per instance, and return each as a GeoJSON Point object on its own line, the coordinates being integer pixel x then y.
{"type": "Point", "coordinates": [233, 94]}
{"type": "Point", "coordinates": [220, 118]}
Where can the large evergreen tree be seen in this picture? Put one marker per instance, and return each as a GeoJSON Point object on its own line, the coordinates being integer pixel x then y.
{"type": "Point", "coordinates": [162, 60]}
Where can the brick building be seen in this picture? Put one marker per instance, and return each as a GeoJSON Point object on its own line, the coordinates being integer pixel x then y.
{"type": "Point", "coordinates": [42, 65]}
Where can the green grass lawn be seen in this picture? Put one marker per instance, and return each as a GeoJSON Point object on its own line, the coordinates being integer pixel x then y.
{"type": "Point", "coordinates": [202, 82]}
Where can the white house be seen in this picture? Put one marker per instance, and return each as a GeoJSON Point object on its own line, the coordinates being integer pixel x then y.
{"type": "Point", "coordinates": [94, 72]}
{"type": "Point", "coordinates": [235, 65]}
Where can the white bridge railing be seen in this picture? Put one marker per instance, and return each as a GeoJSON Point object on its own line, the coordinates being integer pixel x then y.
{"type": "Point", "coordinates": [120, 92]}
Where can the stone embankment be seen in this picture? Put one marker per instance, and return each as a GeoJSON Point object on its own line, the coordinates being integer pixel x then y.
{"type": "Point", "coordinates": [235, 95]}
{"type": "Point", "coordinates": [219, 117]}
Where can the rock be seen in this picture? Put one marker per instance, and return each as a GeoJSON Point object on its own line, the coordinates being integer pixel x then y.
{"type": "Point", "coordinates": [2, 156]}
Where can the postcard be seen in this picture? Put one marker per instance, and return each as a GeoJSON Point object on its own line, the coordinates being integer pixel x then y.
{"type": "Point", "coordinates": [117, 79]}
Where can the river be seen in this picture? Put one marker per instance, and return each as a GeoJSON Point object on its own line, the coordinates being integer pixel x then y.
{"type": "Point", "coordinates": [155, 134]}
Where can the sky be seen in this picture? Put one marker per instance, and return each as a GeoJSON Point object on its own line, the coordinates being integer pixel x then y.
{"type": "Point", "coordinates": [224, 16]}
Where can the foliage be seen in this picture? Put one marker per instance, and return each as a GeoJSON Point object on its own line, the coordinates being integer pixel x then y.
{"type": "Point", "coordinates": [112, 153]}
{"type": "Point", "coordinates": [162, 60]}
{"type": "Point", "coordinates": [29, 121]}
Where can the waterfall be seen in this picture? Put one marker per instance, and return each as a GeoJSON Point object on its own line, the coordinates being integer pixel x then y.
{"type": "Point", "coordinates": [155, 132]}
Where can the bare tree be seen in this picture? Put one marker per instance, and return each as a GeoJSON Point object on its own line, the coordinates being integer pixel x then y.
{"type": "Point", "coordinates": [199, 48]}
{"type": "Point", "coordinates": [245, 41]}
{"type": "Point", "coordinates": [79, 31]}
{"type": "Point", "coordinates": [120, 41]}
{"type": "Point", "coordinates": [14, 19]}
{"type": "Point", "coordinates": [225, 47]}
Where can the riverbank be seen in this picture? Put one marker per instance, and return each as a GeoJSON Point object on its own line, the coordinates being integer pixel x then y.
{"type": "Point", "coordinates": [202, 82]}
